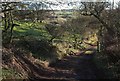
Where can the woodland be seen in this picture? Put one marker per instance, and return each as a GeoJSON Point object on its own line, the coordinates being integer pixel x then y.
{"type": "Point", "coordinates": [39, 42]}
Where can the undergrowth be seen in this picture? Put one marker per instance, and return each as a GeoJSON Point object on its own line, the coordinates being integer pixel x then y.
{"type": "Point", "coordinates": [111, 70]}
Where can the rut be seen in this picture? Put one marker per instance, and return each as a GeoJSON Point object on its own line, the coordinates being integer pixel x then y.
{"type": "Point", "coordinates": [73, 67]}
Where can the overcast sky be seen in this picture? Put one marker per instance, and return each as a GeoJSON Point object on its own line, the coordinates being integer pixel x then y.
{"type": "Point", "coordinates": [66, 6]}
{"type": "Point", "coordinates": [80, 0]}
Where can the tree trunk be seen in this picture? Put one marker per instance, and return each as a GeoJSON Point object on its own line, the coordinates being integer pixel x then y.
{"type": "Point", "coordinates": [110, 30]}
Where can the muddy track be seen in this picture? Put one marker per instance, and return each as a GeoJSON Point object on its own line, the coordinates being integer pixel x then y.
{"type": "Point", "coordinates": [36, 71]}
{"type": "Point", "coordinates": [74, 67]}
{"type": "Point", "coordinates": [83, 66]}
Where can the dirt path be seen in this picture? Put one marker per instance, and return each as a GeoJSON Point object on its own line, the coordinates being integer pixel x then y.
{"type": "Point", "coordinates": [83, 67]}
{"type": "Point", "coordinates": [69, 68]}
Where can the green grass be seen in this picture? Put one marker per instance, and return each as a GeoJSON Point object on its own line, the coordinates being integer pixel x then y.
{"type": "Point", "coordinates": [36, 30]}
{"type": "Point", "coordinates": [34, 34]}
{"type": "Point", "coordinates": [10, 74]}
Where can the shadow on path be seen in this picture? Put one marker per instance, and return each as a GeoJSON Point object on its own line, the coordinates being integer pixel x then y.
{"type": "Point", "coordinates": [74, 67]}
{"type": "Point", "coordinates": [88, 69]}
{"type": "Point", "coordinates": [83, 66]}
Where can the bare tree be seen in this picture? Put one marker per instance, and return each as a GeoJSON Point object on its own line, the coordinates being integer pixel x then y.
{"type": "Point", "coordinates": [38, 8]}
{"type": "Point", "coordinates": [95, 9]}
{"type": "Point", "coordinates": [7, 9]}
{"type": "Point", "coordinates": [109, 18]}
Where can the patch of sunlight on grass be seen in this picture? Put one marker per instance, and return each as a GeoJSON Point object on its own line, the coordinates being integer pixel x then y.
{"type": "Point", "coordinates": [19, 30]}
{"type": "Point", "coordinates": [93, 38]}
{"type": "Point", "coordinates": [1, 27]}
{"type": "Point", "coordinates": [74, 50]}
{"type": "Point", "coordinates": [84, 45]}
{"type": "Point", "coordinates": [88, 52]}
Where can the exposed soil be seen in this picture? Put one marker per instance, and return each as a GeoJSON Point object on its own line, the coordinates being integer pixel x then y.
{"type": "Point", "coordinates": [73, 67]}
{"type": "Point", "coordinates": [83, 67]}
